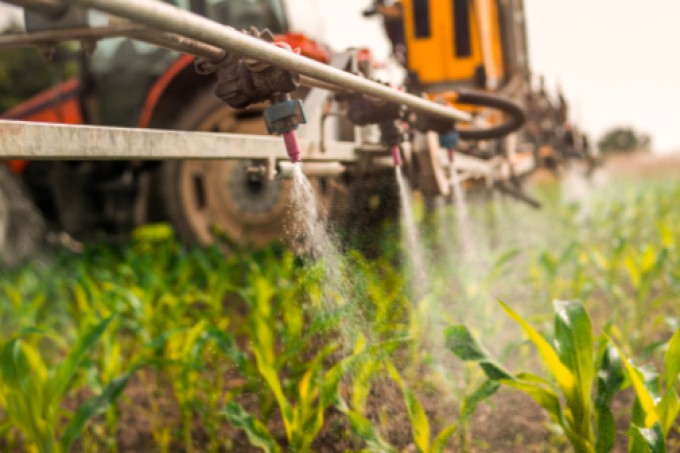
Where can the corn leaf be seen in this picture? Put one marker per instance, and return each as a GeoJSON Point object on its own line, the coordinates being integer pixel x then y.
{"type": "Point", "coordinates": [669, 406]}
{"type": "Point", "coordinates": [23, 376]}
{"type": "Point", "coordinates": [645, 397]}
{"type": "Point", "coordinates": [363, 428]}
{"type": "Point", "coordinates": [332, 378]}
{"type": "Point", "coordinates": [467, 348]}
{"type": "Point", "coordinates": [574, 341]}
{"type": "Point", "coordinates": [93, 407]}
{"type": "Point", "coordinates": [565, 379]}
{"type": "Point", "coordinates": [668, 409]}
{"type": "Point", "coordinates": [257, 433]}
{"type": "Point", "coordinates": [651, 438]}
{"type": "Point", "coordinates": [610, 379]}
{"type": "Point", "coordinates": [470, 402]}
{"type": "Point", "coordinates": [270, 376]}
{"type": "Point", "coordinates": [439, 443]}
{"type": "Point", "coordinates": [420, 425]}
{"type": "Point", "coordinates": [548, 400]}
{"type": "Point", "coordinates": [61, 380]}
{"type": "Point", "coordinates": [673, 360]}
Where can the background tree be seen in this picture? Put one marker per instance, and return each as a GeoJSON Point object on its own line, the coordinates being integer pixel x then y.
{"type": "Point", "coordinates": [624, 139]}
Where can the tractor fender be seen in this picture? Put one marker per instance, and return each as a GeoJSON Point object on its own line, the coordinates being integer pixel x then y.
{"type": "Point", "coordinates": [59, 104]}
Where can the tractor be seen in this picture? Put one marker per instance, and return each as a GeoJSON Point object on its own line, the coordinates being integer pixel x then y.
{"type": "Point", "coordinates": [470, 54]}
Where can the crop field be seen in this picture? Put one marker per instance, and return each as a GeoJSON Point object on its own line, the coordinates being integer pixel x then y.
{"type": "Point", "coordinates": [527, 331]}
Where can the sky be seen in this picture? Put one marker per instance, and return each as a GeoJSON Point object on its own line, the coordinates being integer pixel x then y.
{"type": "Point", "coordinates": [618, 61]}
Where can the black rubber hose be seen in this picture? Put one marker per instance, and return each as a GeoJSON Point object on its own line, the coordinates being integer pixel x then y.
{"type": "Point", "coordinates": [516, 115]}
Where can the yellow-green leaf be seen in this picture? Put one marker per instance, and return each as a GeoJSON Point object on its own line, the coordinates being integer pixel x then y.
{"type": "Point", "coordinates": [564, 377]}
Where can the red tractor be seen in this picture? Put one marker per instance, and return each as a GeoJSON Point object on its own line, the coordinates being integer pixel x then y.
{"type": "Point", "coordinates": [133, 84]}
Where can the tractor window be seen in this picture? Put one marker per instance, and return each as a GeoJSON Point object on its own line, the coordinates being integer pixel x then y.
{"type": "Point", "coordinates": [242, 14]}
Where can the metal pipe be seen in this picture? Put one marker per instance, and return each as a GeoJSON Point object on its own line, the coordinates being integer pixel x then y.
{"type": "Point", "coordinates": [180, 43]}
{"type": "Point", "coordinates": [38, 38]}
{"type": "Point", "coordinates": [46, 141]}
{"type": "Point", "coordinates": [328, 169]}
{"type": "Point", "coordinates": [50, 8]}
{"type": "Point", "coordinates": [169, 18]}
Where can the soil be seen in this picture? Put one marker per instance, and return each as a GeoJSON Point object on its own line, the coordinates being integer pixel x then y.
{"type": "Point", "coordinates": [508, 422]}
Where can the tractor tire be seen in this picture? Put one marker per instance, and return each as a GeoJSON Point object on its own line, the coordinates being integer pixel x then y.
{"type": "Point", "coordinates": [22, 228]}
{"type": "Point", "coordinates": [207, 200]}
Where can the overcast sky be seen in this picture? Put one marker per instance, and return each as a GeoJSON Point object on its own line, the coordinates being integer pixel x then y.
{"type": "Point", "coordinates": [618, 61]}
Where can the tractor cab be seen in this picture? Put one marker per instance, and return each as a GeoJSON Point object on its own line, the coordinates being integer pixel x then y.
{"type": "Point", "coordinates": [464, 43]}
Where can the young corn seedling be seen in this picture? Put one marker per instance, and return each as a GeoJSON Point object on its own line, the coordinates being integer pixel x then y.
{"type": "Point", "coordinates": [31, 393]}
{"type": "Point", "coordinates": [572, 363]}
{"type": "Point", "coordinates": [420, 425]}
{"type": "Point", "coordinates": [657, 405]}
{"type": "Point", "coordinates": [303, 412]}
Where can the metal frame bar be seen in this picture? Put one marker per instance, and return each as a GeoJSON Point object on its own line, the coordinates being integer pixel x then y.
{"type": "Point", "coordinates": [50, 141]}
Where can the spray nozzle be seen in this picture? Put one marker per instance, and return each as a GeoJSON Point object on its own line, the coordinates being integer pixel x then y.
{"type": "Point", "coordinates": [396, 156]}
{"type": "Point", "coordinates": [282, 117]}
{"type": "Point", "coordinates": [292, 148]}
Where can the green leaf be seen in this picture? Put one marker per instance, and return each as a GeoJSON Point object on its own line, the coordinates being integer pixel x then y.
{"type": "Point", "coordinates": [610, 379]}
{"type": "Point", "coordinates": [544, 396]}
{"type": "Point", "coordinates": [439, 442]}
{"type": "Point", "coordinates": [652, 438]}
{"type": "Point", "coordinates": [470, 402]}
{"type": "Point", "coordinates": [467, 348]}
{"type": "Point", "coordinates": [549, 401]}
{"type": "Point", "coordinates": [419, 422]}
{"type": "Point", "coordinates": [673, 360]}
{"type": "Point", "coordinates": [363, 428]}
{"type": "Point", "coordinates": [14, 364]}
{"type": "Point", "coordinates": [644, 397]}
{"type": "Point", "coordinates": [668, 409]}
{"type": "Point", "coordinates": [562, 374]}
{"type": "Point", "coordinates": [574, 340]}
{"type": "Point", "coordinates": [257, 433]}
{"type": "Point", "coordinates": [93, 407]}
{"type": "Point", "coordinates": [332, 378]}
{"type": "Point", "coordinates": [59, 383]}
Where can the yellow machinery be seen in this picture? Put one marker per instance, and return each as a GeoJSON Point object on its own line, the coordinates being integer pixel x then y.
{"type": "Point", "coordinates": [464, 43]}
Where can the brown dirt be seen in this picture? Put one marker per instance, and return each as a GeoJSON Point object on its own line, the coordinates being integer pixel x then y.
{"type": "Point", "coordinates": [509, 422]}
{"type": "Point", "coordinates": [644, 165]}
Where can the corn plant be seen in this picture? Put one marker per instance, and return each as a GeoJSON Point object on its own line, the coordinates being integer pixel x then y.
{"type": "Point", "coordinates": [32, 393]}
{"type": "Point", "coordinates": [657, 405]}
{"type": "Point", "coordinates": [303, 411]}
{"type": "Point", "coordinates": [420, 425]}
{"type": "Point", "coordinates": [573, 364]}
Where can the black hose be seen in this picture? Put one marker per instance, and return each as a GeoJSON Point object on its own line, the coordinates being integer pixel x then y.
{"type": "Point", "coordinates": [515, 113]}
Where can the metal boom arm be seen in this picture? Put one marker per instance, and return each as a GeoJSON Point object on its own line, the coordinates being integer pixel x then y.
{"type": "Point", "coordinates": [161, 16]}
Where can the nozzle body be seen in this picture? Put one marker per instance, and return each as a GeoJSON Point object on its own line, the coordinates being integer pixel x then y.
{"type": "Point", "coordinates": [292, 148]}
{"type": "Point", "coordinates": [396, 156]}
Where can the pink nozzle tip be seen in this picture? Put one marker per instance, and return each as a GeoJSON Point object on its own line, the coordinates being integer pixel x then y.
{"type": "Point", "coordinates": [451, 154]}
{"type": "Point", "coordinates": [292, 148]}
{"type": "Point", "coordinates": [396, 156]}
